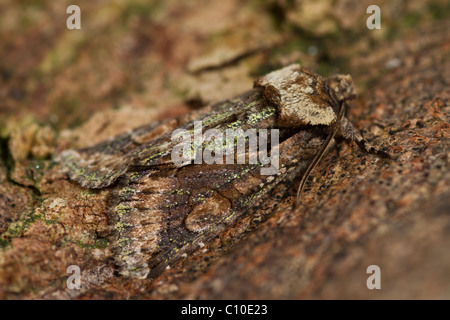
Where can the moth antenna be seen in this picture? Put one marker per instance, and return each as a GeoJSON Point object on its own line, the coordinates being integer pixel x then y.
{"type": "Point", "coordinates": [319, 155]}
{"type": "Point", "coordinates": [313, 164]}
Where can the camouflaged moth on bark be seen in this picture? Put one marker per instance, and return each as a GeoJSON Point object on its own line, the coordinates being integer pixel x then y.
{"type": "Point", "coordinates": [160, 212]}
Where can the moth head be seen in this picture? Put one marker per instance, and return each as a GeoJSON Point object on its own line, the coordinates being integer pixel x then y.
{"type": "Point", "coordinates": [342, 87]}
{"type": "Point", "coordinates": [300, 96]}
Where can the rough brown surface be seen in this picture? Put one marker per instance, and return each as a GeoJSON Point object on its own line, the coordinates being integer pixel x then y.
{"type": "Point", "coordinates": [133, 63]}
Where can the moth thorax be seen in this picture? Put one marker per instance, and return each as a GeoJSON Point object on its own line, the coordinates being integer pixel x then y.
{"type": "Point", "coordinates": [301, 96]}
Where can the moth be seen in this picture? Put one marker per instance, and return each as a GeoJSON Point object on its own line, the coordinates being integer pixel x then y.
{"type": "Point", "coordinates": [161, 211]}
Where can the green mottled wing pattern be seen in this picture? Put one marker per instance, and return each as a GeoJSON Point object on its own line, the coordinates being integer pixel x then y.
{"type": "Point", "coordinates": [160, 212]}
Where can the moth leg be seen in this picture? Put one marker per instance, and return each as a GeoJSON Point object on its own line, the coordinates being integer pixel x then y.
{"type": "Point", "coordinates": [349, 132]}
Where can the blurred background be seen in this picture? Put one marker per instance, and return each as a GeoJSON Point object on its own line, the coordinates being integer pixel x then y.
{"type": "Point", "coordinates": [172, 54]}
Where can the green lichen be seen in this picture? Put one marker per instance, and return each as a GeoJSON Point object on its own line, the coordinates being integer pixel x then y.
{"type": "Point", "coordinates": [88, 193]}
{"type": "Point", "coordinates": [134, 176]}
{"type": "Point", "coordinates": [4, 243]}
{"type": "Point", "coordinates": [122, 209]}
{"type": "Point", "coordinates": [121, 227]}
{"type": "Point", "coordinates": [126, 192]}
{"type": "Point", "coordinates": [17, 228]}
{"type": "Point", "coordinates": [123, 242]}
{"type": "Point", "coordinates": [180, 192]}
{"type": "Point", "coordinates": [264, 114]}
{"type": "Point", "coordinates": [79, 172]}
{"type": "Point", "coordinates": [154, 156]}
{"type": "Point", "coordinates": [92, 176]}
{"type": "Point", "coordinates": [125, 254]}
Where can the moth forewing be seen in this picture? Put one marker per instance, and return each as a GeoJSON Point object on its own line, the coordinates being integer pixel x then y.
{"type": "Point", "coordinates": [200, 208]}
